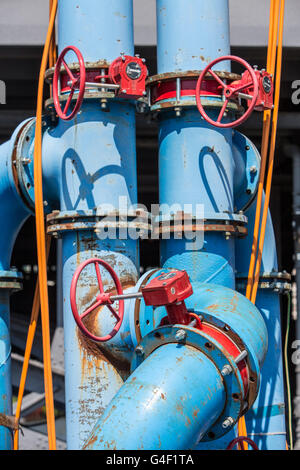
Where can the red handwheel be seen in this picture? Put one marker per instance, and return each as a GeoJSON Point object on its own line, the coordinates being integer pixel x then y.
{"type": "Point", "coordinates": [229, 91]}
{"type": "Point", "coordinates": [103, 298]}
{"type": "Point", "coordinates": [76, 82]}
{"type": "Point", "coordinates": [240, 440]}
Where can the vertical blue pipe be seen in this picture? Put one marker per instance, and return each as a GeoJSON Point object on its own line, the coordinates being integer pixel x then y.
{"type": "Point", "coordinates": [195, 159]}
{"type": "Point", "coordinates": [191, 34]}
{"type": "Point", "coordinates": [266, 420]}
{"type": "Point", "coordinates": [13, 213]}
{"type": "Point", "coordinates": [5, 369]}
{"type": "Point", "coordinates": [101, 29]}
{"type": "Point", "coordinates": [97, 165]}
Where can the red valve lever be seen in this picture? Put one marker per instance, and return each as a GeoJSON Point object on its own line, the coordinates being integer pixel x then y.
{"type": "Point", "coordinates": [231, 91]}
{"type": "Point", "coordinates": [76, 80]}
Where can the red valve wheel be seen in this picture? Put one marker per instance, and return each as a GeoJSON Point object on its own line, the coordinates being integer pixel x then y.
{"type": "Point", "coordinates": [230, 91]}
{"type": "Point", "coordinates": [240, 440]}
{"type": "Point", "coordinates": [76, 83]}
{"type": "Point", "coordinates": [102, 299]}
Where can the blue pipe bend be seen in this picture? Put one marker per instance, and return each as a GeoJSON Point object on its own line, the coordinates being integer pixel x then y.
{"type": "Point", "coordinates": [162, 406]}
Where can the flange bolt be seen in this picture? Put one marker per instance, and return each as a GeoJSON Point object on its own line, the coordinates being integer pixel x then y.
{"type": "Point", "coordinates": [227, 369]}
{"type": "Point", "coordinates": [180, 335]}
{"type": "Point", "coordinates": [228, 422]}
{"type": "Point", "coordinates": [139, 350]}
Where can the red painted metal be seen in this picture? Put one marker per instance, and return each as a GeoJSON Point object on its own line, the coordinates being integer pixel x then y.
{"type": "Point", "coordinates": [167, 89]}
{"type": "Point", "coordinates": [92, 76]}
{"type": "Point", "coordinates": [229, 345]}
{"type": "Point", "coordinates": [77, 83]}
{"type": "Point", "coordinates": [169, 290]}
{"type": "Point", "coordinates": [230, 91]}
{"type": "Point", "coordinates": [102, 299]}
{"type": "Point", "coordinates": [240, 440]}
{"type": "Point", "coordinates": [131, 87]}
{"type": "Point", "coordinates": [265, 99]}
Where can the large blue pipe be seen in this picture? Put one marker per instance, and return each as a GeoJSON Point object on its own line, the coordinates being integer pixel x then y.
{"type": "Point", "coordinates": [196, 166]}
{"type": "Point", "coordinates": [96, 165]}
{"type": "Point", "coordinates": [162, 405]}
{"type": "Point", "coordinates": [195, 159]}
{"type": "Point", "coordinates": [191, 34]}
{"type": "Point", "coordinates": [14, 213]}
{"type": "Point", "coordinates": [266, 421]}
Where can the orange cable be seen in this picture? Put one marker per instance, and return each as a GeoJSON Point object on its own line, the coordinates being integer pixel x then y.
{"type": "Point", "coordinates": [271, 59]}
{"type": "Point", "coordinates": [30, 338]}
{"type": "Point", "coordinates": [273, 29]}
{"type": "Point", "coordinates": [40, 235]}
{"type": "Point", "coordinates": [271, 155]}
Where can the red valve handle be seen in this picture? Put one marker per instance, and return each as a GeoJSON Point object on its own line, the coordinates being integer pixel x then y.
{"type": "Point", "coordinates": [77, 83]}
{"type": "Point", "coordinates": [102, 299]}
{"type": "Point", "coordinates": [240, 440]}
{"type": "Point", "coordinates": [229, 92]}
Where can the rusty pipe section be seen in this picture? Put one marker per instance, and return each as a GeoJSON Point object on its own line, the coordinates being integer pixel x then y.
{"type": "Point", "coordinates": [162, 405]}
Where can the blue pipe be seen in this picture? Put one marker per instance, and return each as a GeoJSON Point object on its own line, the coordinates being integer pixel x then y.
{"type": "Point", "coordinates": [266, 421]}
{"type": "Point", "coordinates": [196, 161]}
{"type": "Point", "coordinates": [191, 34]}
{"type": "Point", "coordinates": [196, 168]}
{"type": "Point", "coordinates": [5, 369]}
{"type": "Point", "coordinates": [101, 29]}
{"type": "Point", "coordinates": [14, 213]}
{"type": "Point", "coordinates": [92, 162]}
{"type": "Point", "coordinates": [162, 405]}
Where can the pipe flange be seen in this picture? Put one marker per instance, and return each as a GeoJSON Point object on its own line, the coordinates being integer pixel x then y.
{"type": "Point", "coordinates": [247, 170]}
{"type": "Point", "coordinates": [180, 222]}
{"type": "Point", "coordinates": [11, 280]}
{"type": "Point", "coordinates": [102, 97]}
{"type": "Point", "coordinates": [101, 94]}
{"type": "Point", "coordinates": [176, 90]}
{"type": "Point", "coordinates": [179, 106]}
{"type": "Point", "coordinates": [100, 221]}
{"type": "Point", "coordinates": [74, 67]}
{"type": "Point", "coordinates": [167, 76]}
{"type": "Point", "coordinates": [279, 282]}
{"type": "Point", "coordinates": [23, 164]}
{"type": "Point", "coordinates": [233, 383]}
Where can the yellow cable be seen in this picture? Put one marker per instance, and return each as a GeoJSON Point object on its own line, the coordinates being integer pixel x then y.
{"type": "Point", "coordinates": [28, 349]}
{"type": "Point", "coordinates": [40, 234]}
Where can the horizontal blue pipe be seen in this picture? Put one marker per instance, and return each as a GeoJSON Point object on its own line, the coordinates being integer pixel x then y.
{"type": "Point", "coordinates": [169, 402]}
